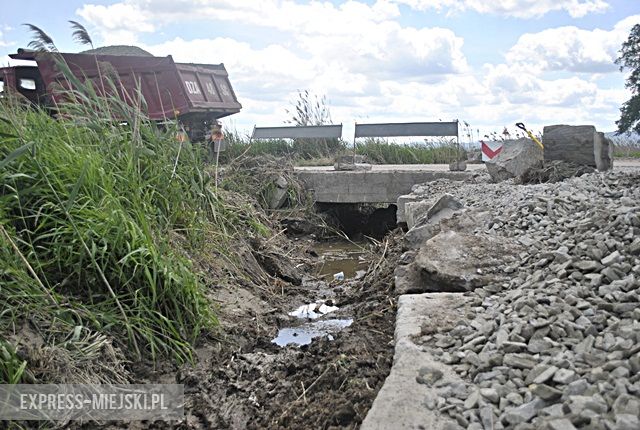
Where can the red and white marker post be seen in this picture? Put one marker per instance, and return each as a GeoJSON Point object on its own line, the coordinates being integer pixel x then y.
{"type": "Point", "coordinates": [490, 150]}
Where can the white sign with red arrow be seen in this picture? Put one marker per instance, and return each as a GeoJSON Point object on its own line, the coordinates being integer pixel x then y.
{"type": "Point", "coordinates": [490, 150]}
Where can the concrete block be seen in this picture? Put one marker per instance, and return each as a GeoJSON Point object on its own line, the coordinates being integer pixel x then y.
{"type": "Point", "coordinates": [580, 144]}
{"type": "Point", "coordinates": [415, 210]}
{"type": "Point", "coordinates": [401, 203]}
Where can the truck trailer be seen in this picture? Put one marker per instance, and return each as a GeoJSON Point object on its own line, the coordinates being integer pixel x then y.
{"type": "Point", "coordinates": [196, 95]}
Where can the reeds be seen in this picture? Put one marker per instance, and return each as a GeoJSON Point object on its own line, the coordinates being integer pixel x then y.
{"type": "Point", "coordinates": [322, 151]}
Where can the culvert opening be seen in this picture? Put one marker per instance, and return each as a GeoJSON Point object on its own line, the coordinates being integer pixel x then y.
{"type": "Point", "coordinates": [357, 220]}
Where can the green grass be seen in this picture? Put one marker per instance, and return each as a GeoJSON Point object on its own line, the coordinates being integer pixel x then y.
{"type": "Point", "coordinates": [238, 146]}
{"type": "Point", "coordinates": [99, 210]}
{"type": "Point", "coordinates": [381, 152]}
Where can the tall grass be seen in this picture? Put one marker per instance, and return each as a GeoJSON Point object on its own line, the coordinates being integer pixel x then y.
{"type": "Point", "coordinates": [626, 146]}
{"type": "Point", "coordinates": [303, 149]}
{"type": "Point", "coordinates": [97, 210]}
{"type": "Point", "coordinates": [383, 152]}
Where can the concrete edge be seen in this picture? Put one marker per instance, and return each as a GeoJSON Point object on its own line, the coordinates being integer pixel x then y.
{"type": "Point", "coordinates": [400, 403]}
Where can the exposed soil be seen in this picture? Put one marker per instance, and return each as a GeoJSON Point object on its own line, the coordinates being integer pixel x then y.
{"type": "Point", "coordinates": [243, 380]}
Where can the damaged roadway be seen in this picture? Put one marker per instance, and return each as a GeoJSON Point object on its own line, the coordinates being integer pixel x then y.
{"type": "Point", "coordinates": [545, 330]}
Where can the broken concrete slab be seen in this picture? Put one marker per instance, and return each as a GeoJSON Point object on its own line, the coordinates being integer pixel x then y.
{"type": "Point", "coordinates": [462, 262]}
{"type": "Point", "coordinates": [431, 211]}
{"type": "Point", "coordinates": [400, 403]}
{"type": "Point", "coordinates": [456, 262]}
{"type": "Point", "coordinates": [443, 208]}
{"type": "Point", "coordinates": [516, 159]}
{"type": "Point", "coordinates": [415, 210]}
{"type": "Point", "coordinates": [402, 202]}
{"type": "Point", "coordinates": [463, 220]}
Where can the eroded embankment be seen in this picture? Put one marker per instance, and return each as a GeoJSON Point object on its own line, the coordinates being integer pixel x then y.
{"type": "Point", "coordinates": [248, 381]}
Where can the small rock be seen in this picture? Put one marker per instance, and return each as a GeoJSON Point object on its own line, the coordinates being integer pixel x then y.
{"type": "Point", "coordinates": [564, 376]}
{"type": "Point", "coordinates": [577, 388]}
{"type": "Point", "coordinates": [523, 413]}
{"type": "Point", "coordinates": [490, 394]}
{"type": "Point", "coordinates": [545, 392]}
{"type": "Point", "coordinates": [541, 374]}
{"type": "Point", "coordinates": [578, 404]}
{"type": "Point", "coordinates": [626, 404]}
{"type": "Point", "coordinates": [614, 257]}
{"type": "Point", "coordinates": [428, 376]}
{"type": "Point", "coordinates": [487, 417]}
{"type": "Point", "coordinates": [586, 265]}
{"type": "Point", "coordinates": [627, 422]}
{"type": "Point", "coordinates": [472, 400]}
{"type": "Point", "coordinates": [561, 424]}
{"type": "Point", "coordinates": [612, 274]}
{"type": "Point", "coordinates": [553, 411]}
{"type": "Point", "coordinates": [519, 361]}
{"type": "Point", "coordinates": [539, 345]}
{"type": "Point", "coordinates": [514, 398]}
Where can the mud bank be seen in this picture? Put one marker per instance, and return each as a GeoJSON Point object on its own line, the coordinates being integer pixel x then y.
{"type": "Point", "coordinates": [243, 379]}
{"type": "Point", "coordinates": [329, 383]}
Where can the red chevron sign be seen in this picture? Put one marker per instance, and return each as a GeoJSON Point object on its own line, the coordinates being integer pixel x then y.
{"type": "Point", "coordinates": [490, 150]}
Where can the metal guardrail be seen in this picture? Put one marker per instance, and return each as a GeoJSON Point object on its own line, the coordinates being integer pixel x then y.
{"type": "Point", "coordinates": [407, 129]}
{"type": "Point", "coordinates": [298, 132]}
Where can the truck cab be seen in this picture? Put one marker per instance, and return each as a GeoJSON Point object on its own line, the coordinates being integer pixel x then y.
{"type": "Point", "coordinates": [25, 80]}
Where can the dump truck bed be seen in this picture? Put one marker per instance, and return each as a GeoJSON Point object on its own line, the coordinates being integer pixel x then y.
{"type": "Point", "coordinates": [170, 89]}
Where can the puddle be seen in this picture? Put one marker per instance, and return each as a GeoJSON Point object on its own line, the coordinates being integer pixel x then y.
{"type": "Point", "coordinates": [313, 310]}
{"type": "Point", "coordinates": [346, 257]}
{"type": "Point", "coordinates": [304, 334]}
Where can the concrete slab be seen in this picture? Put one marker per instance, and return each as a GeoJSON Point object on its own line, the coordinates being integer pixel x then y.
{"type": "Point", "coordinates": [373, 186]}
{"type": "Point", "coordinates": [402, 202]}
{"type": "Point", "coordinates": [400, 404]}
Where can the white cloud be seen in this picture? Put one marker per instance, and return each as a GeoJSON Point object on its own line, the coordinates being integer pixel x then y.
{"type": "Point", "coordinates": [387, 50]}
{"type": "Point", "coordinates": [271, 72]}
{"type": "Point", "coordinates": [514, 8]}
{"type": "Point", "coordinates": [315, 17]}
{"type": "Point", "coordinates": [512, 85]}
{"type": "Point", "coordinates": [3, 42]}
{"type": "Point", "coordinates": [355, 36]}
{"type": "Point", "coordinates": [373, 68]}
{"type": "Point", "coordinates": [118, 23]}
{"type": "Point", "coordinates": [572, 49]}
{"type": "Point", "coordinates": [343, 49]}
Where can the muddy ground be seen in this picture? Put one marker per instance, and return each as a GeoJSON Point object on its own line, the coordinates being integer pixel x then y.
{"type": "Point", "coordinates": [244, 380]}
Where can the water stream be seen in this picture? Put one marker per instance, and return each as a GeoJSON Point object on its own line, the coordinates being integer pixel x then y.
{"type": "Point", "coordinates": [304, 334]}
{"type": "Point", "coordinates": [341, 256]}
{"type": "Point", "coordinates": [338, 257]}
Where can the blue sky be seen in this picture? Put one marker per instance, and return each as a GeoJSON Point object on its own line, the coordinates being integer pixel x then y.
{"type": "Point", "coordinates": [488, 63]}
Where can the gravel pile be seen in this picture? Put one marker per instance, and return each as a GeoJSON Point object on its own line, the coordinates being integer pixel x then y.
{"type": "Point", "coordinates": [119, 50]}
{"type": "Point", "coordinates": [558, 345]}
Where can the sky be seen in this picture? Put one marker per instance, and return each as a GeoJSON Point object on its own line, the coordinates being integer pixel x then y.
{"type": "Point", "coordinates": [487, 63]}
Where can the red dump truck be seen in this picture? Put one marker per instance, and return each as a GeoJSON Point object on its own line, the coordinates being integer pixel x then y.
{"type": "Point", "coordinates": [197, 95]}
